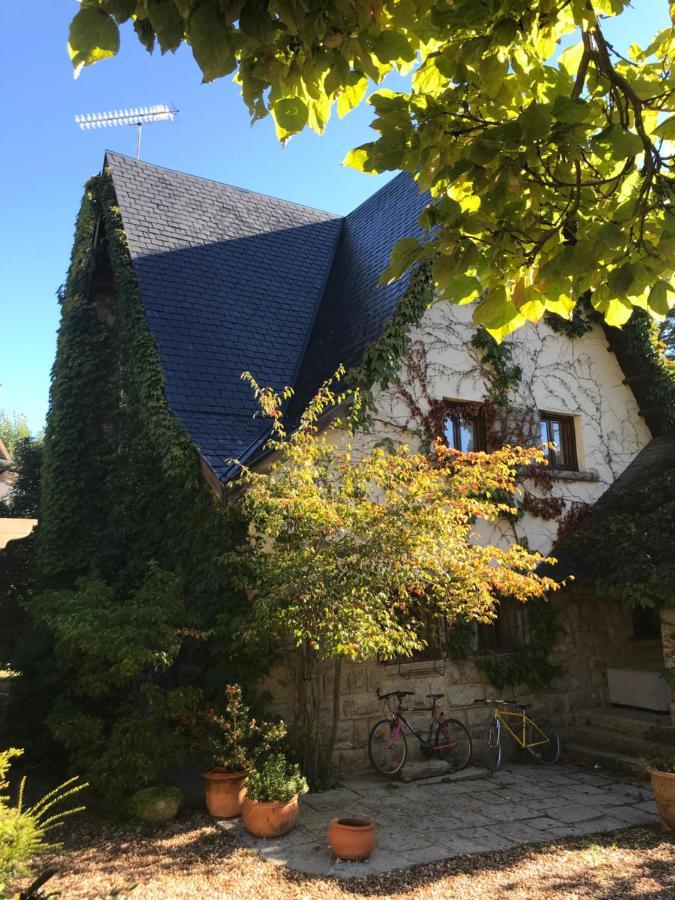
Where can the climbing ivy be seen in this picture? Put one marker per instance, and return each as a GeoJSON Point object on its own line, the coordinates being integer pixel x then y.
{"type": "Point", "coordinates": [382, 358]}
{"type": "Point", "coordinates": [138, 615]}
{"type": "Point", "coordinates": [503, 375]}
{"type": "Point", "coordinates": [530, 666]}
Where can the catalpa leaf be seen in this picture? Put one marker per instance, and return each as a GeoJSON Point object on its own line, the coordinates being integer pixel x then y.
{"type": "Point", "coordinates": [666, 129]}
{"type": "Point", "coordinates": [93, 36]}
{"type": "Point", "coordinates": [391, 46]}
{"type": "Point", "coordinates": [621, 142]}
{"type": "Point", "coordinates": [497, 314]}
{"type": "Point", "coordinates": [167, 22]}
{"type": "Point", "coordinates": [211, 42]}
{"type": "Point", "coordinates": [351, 96]}
{"type": "Point", "coordinates": [405, 253]}
{"type": "Point", "coordinates": [290, 115]}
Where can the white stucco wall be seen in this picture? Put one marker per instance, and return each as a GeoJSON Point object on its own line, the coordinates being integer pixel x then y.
{"type": "Point", "coordinates": [577, 377]}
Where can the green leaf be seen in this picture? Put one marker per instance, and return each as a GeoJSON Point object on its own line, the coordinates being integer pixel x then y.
{"type": "Point", "coordinates": [290, 115]}
{"type": "Point", "coordinates": [93, 36]}
{"type": "Point", "coordinates": [666, 129]}
{"type": "Point", "coordinates": [569, 59]}
{"type": "Point", "coordinates": [621, 142]}
{"type": "Point", "coordinates": [497, 314]}
{"type": "Point", "coordinates": [571, 111]}
{"type": "Point", "coordinates": [535, 121]}
{"type": "Point", "coordinates": [620, 280]}
{"type": "Point", "coordinates": [391, 46]}
{"type": "Point", "coordinates": [120, 9]}
{"type": "Point", "coordinates": [616, 310]}
{"type": "Point", "coordinates": [658, 299]}
{"type": "Point", "coordinates": [255, 22]}
{"type": "Point", "coordinates": [167, 22]}
{"type": "Point", "coordinates": [211, 42]}
{"type": "Point", "coordinates": [462, 289]}
{"type": "Point", "coordinates": [359, 159]}
{"type": "Point", "coordinates": [405, 253]}
{"type": "Point", "coordinates": [351, 96]}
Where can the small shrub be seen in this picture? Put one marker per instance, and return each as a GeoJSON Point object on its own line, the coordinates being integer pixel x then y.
{"type": "Point", "coordinates": [23, 830]}
{"type": "Point", "coordinates": [156, 804]}
{"type": "Point", "coordinates": [277, 780]}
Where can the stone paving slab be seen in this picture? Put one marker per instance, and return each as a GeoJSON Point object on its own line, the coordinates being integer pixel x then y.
{"type": "Point", "coordinates": [472, 812]}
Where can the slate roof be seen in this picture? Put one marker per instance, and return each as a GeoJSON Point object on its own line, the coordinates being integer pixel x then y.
{"type": "Point", "coordinates": [232, 280]}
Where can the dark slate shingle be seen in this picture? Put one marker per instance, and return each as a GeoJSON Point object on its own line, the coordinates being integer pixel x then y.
{"type": "Point", "coordinates": [232, 280]}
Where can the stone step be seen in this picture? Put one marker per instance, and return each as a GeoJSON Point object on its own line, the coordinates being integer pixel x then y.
{"type": "Point", "coordinates": [612, 741]}
{"type": "Point", "coordinates": [635, 723]}
{"type": "Point", "coordinates": [609, 760]}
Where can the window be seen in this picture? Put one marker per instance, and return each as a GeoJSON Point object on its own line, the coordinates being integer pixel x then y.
{"type": "Point", "coordinates": [646, 624]}
{"type": "Point", "coordinates": [559, 431]}
{"type": "Point", "coordinates": [509, 631]}
{"type": "Point", "coordinates": [464, 427]}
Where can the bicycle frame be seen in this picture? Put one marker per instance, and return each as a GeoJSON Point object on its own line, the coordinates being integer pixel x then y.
{"type": "Point", "coordinates": [502, 716]}
{"type": "Point", "coordinates": [437, 718]}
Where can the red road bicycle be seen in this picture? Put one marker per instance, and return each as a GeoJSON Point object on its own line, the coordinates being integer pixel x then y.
{"type": "Point", "coordinates": [387, 745]}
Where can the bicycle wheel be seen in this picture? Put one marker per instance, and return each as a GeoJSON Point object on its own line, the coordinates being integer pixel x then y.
{"type": "Point", "coordinates": [454, 744]}
{"type": "Point", "coordinates": [493, 745]}
{"type": "Point", "coordinates": [542, 734]}
{"type": "Point", "coordinates": [387, 748]}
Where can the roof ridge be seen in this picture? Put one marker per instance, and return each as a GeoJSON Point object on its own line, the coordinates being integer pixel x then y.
{"type": "Point", "coordinates": [233, 187]}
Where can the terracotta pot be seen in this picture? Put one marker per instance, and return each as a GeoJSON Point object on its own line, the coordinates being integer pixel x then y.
{"type": "Point", "coordinates": [663, 785]}
{"type": "Point", "coordinates": [270, 819]}
{"type": "Point", "coordinates": [225, 792]}
{"type": "Point", "coordinates": [351, 838]}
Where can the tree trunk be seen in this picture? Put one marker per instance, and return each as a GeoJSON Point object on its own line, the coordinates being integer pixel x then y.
{"type": "Point", "coordinates": [337, 681]}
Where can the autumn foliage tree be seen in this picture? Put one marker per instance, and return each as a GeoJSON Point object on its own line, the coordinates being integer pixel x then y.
{"type": "Point", "coordinates": [350, 553]}
{"type": "Point", "coordinates": [550, 175]}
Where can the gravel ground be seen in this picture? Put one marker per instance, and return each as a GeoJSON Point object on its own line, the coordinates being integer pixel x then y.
{"type": "Point", "coordinates": [191, 858]}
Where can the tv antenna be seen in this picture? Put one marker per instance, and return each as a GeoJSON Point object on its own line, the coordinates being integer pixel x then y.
{"type": "Point", "coordinates": [139, 116]}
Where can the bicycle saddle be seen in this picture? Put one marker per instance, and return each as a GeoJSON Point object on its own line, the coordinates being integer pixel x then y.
{"type": "Point", "coordinates": [436, 696]}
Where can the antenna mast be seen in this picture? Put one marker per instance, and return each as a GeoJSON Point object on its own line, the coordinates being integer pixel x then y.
{"type": "Point", "coordinates": [139, 116]}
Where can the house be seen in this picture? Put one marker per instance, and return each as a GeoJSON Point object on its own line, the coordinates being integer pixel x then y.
{"type": "Point", "coordinates": [11, 529]}
{"type": "Point", "coordinates": [231, 280]}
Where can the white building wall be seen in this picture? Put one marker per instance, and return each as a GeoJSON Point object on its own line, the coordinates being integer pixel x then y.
{"type": "Point", "coordinates": [578, 377]}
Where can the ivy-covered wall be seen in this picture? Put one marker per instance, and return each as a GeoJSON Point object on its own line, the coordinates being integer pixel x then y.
{"type": "Point", "coordinates": [138, 616]}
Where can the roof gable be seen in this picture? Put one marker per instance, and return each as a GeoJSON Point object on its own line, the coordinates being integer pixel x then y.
{"type": "Point", "coordinates": [230, 280]}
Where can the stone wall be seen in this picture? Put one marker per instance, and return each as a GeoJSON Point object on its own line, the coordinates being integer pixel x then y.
{"type": "Point", "coordinates": [594, 634]}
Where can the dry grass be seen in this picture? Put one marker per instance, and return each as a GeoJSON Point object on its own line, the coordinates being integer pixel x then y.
{"type": "Point", "coordinates": [191, 858]}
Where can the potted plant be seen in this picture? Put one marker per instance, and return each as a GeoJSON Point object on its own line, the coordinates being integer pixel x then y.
{"type": "Point", "coordinates": [271, 806]}
{"type": "Point", "coordinates": [232, 739]}
{"type": "Point", "coordinates": [351, 839]}
{"type": "Point", "coordinates": [661, 770]}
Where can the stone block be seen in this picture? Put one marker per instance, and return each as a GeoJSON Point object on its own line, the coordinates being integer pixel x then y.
{"type": "Point", "coordinates": [344, 739]}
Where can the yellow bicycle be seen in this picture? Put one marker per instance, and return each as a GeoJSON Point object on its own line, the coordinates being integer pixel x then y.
{"type": "Point", "coordinates": [539, 738]}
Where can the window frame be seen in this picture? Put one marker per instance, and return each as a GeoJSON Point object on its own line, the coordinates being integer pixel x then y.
{"type": "Point", "coordinates": [568, 459]}
{"type": "Point", "coordinates": [510, 632]}
{"type": "Point", "coordinates": [475, 414]}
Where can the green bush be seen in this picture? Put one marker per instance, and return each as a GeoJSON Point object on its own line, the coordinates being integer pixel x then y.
{"type": "Point", "coordinates": [23, 830]}
{"type": "Point", "coordinates": [156, 804]}
{"type": "Point", "coordinates": [276, 780]}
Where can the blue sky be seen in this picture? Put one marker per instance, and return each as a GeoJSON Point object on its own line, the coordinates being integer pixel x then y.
{"type": "Point", "coordinates": [45, 159]}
